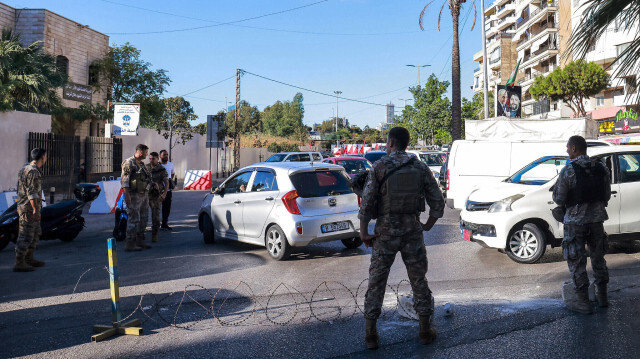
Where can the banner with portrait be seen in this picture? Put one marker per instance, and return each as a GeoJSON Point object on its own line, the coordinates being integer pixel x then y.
{"type": "Point", "coordinates": [509, 101]}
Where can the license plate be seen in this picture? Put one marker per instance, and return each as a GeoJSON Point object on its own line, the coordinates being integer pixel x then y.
{"type": "Point", "coordinates": [334, 227]}
{"type": "Point", "coordinates": [466, 234]}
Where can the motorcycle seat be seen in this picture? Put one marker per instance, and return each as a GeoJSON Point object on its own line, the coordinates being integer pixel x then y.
{"type": "Point", "coordinates": [58, 210]}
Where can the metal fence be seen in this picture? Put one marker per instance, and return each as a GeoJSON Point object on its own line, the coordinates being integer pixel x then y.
{"type": "Point", "coordinates": [63, 153]}
{"type": "Point", "coordinates": [103, 155]}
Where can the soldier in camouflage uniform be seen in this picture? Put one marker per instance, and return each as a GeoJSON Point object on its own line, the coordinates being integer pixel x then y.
{"type": "Point", "coordinates": [395, 193]}
{"type": "Point", "coordinates": [136, 182]}
{"type": "Point", "coordinates": [29, 206]}
{"type": "Point", "coordinates": [583, 222]}
{"type": "Point", "coordinates": [157, 192]}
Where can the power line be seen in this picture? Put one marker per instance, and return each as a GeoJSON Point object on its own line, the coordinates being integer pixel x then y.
{"type": "Point", "coordinates": [313, 91]}
{"type": "Point", "coordinates": [215, 25]}
{"type": "Point", "coordinates": [206, 87]}
{"type": "Point", "coordinates": [360, 98]}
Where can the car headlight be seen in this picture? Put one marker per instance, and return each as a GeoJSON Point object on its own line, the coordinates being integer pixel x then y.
{"type": "Point", "coordinates": [504, 205]}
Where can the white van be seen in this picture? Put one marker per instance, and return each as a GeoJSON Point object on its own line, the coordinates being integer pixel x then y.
{"type": "Point", "coordinates": [475, 163]}
{"type": "Point", "coordinates": [514, 215]}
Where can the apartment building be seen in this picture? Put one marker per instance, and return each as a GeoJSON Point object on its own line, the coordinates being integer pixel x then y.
{"type": "Point", "coordinates": [539, 38]}
{"type": "Point", "coordinates": [75, 47]}
{"type": "Point", "coordinates": [500, 25]}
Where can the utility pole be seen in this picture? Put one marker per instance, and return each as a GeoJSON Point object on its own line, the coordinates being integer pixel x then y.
{"type": "Point", "coordinates": [418, 67]}
{"type": "Point", "coordinates": [337, 115]}
{"type": "Point", "coordinates": [484, 65]}
{"type": "Point", "coordinates": [405, 100]}
{"type": "Point", "coordinates": [236, 142]}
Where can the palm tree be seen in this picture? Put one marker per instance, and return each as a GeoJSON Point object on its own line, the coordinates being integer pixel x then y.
{"type": "Point", "coordinates": [28, 76]}
{"type": "Point", "coordinates": [456, 114]}
{"type": "Point", "coordinates": [598, 15]}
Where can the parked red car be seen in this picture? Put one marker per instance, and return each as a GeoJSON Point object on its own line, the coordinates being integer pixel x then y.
{"type": "Point", "coordinates": [352, 165]}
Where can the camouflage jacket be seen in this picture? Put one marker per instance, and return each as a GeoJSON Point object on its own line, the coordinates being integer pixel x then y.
{"type": "Point", "coordinates": [132, 169]}
{"type": "Point", "coordinates": [29, 187]}
{"type": "Point", "coordinates": [582, 213]}
{"type": "Point", "coordinates": [158, 175]}
{"type": "Point", "coordinates": [394, 224]}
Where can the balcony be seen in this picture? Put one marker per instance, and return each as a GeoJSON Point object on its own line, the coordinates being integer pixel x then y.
{"type": "Point", "coordinates": [493, 61]}
{"type": "Point", "coordinates": [622, 100]}
{"type": "Point", "coordinates": [544, 5]}
{"type": "Point", "coordinates": [544, 49]}
{"type": "Point", "coordinates": [505, 9]}
{"type": "Point", "coordinates": [541, 107]}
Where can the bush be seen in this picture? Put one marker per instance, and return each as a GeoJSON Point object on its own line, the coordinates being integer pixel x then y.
{"type": "Point", "coordinates": [282, 147]}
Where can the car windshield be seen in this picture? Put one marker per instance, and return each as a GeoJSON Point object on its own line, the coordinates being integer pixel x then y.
{"type": "Point", "coordinates": [354, 166]}
{"type": "Point", "coordinates": [373, 157]}
{"type": "Point", "coordinates": [539, 172]}
{"type": "Point", "coordinates": [321, 183]}
{"type": "Point", "coordinates": [278, 157]}
{"type": "Point", "coordinates": [431, 159]}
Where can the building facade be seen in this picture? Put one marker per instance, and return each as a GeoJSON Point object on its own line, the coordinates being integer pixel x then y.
{"type": "Point", "coordinates": [537, 32]}
{"type": "Point", "coordinates": [75, 47]}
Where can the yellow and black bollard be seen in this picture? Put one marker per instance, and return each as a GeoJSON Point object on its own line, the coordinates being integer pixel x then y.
{"type": "Point", "coordinates": [127, 328]}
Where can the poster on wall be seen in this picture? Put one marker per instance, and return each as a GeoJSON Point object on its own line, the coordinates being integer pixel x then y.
{"type": "Point", "coordinates": [627, 121]}
{"type": "Point", "coordinates": [215, 125]}
{"type": "Point", "coordinates": [126, 117]}
{"type": "Point", "coordinates": [508, 102]}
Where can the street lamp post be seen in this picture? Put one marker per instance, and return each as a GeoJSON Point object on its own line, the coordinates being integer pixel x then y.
{"type": "Point", "coordinates": [337, 115]}
{"type": "Point", "coordinates": [405, 100]}
{"type": "Point", "coordinates": [418, 67]}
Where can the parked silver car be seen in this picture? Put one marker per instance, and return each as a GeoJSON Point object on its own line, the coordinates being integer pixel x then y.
{"type": "Point", "coordinates": [282, 205]}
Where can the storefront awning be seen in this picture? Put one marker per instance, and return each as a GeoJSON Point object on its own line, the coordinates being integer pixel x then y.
{"type": "Point", "coordinates": [623, 139]}
{"type": "Point", "coordinates": [604, 113]}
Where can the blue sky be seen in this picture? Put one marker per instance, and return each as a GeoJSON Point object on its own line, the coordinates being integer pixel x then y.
{"type": "Point", "coordinates": [359, 47]}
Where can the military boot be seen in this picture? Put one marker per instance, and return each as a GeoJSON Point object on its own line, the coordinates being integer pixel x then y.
{"type": "Point", "coordinates": [21, 265]}
{"type": "Point", "coordinates": [581, 304]}
{"type": "Point", "coordinates": [131, 246]}
{"type": "Point", "coordinates": [371, 334]}
{"type": "Point", "coordinates": [427, 331]}
{"type": "Point", "coordinates": [32, 261]}
{"type": "Point", "coordinates": [154, 235]}
{"type": "Point", "coordinates": [601, 296]}
{"type": "Point", "coordinates": [140, 241]}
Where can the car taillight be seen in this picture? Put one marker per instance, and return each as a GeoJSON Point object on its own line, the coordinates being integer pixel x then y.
{"type": "Point", "coordinates": [359, 201]}
{"type": "Point", "coordinates": [289, 201]}
{"type": "Point", "coordinates": [448, 182]}
{"type": "Point", "coordinates": [299, 227]}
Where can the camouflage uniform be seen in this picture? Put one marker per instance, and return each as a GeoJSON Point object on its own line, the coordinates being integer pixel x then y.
{"type": "Point", "coordinates": [138, 209]}
{"type": "Point", "coordinates": [158, 176]}
{"type": "Point", "coordinates": [583, 224]}
{"type": "Point", "coordinates": [29, 188]}
{"type": "Point", "coordinates": [398, 233]}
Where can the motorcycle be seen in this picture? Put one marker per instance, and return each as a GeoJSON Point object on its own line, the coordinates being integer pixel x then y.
{"type": "Point", "coordinates": [61, 221]}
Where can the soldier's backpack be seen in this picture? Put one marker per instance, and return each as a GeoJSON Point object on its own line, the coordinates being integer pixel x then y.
{"type": "Point", "coordinates": [590, 183]}
{"type": "Point", "coordinates": [403, 184]}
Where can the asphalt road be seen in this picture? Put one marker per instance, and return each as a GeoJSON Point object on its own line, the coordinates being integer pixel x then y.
{"type": "Point", "coordinates": [232, 300]}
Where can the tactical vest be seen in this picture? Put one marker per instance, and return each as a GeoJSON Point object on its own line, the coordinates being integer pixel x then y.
{"type": "Point", "coordinates": [139, 180]}
{"type": "Point", "coordinates": [590, 184]}
{"type": "Point", "coordinates": [404, 190]}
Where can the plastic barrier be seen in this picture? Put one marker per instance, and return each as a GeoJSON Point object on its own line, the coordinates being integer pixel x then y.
{"type": "Point", "coordinates": [110, 192]}
{"type": "Point", "coordinates": [7, 199]}
{"type": "Point", "coordinates": [197, 180]}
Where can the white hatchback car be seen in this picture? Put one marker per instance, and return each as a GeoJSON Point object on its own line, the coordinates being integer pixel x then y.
{"type": "Point", "coordinates": [514, 215]}
{"type": "Point", "coordinates": [282, 205]}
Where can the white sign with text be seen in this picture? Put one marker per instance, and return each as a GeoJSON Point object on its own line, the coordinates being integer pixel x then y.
{"type": "Point", "coordinates": [126, 118]}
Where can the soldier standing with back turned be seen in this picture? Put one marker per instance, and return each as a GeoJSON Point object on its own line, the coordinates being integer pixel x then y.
{"type": "Point", "coordinates": [395, 193]}
{"type": "Point", "coordinates": [584, 188]}
{"type": "Point", "coordinates": [136, 182]}
{"type": "Point", "coordinates": [157, 192]}
{"type": "Point", "coordinates": [29, 206]}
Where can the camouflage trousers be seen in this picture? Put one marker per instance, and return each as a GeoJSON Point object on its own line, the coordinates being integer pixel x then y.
{"type": "Point", "coordinates": [155, 202]}
{"type": "Point", "coordinates": [573, 250]}
{"type": "Point", "coordinates": [28, 233]}
{"type": "Point", "coordinates": [414, 256]}
{"type": "Point", "coordinates": [138, 214]}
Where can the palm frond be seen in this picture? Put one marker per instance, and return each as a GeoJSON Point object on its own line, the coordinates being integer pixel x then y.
{"type": "Point", "coordinates": [440, 15]}
{"type": "Point", "coordinates": [424, 9]}
{"type": "Point", "coordinates": [475, 15]}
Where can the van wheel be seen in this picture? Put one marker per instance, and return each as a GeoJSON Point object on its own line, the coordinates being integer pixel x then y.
{"type": "Point", "coordinates": [207, 230]}
{"type": "Point", "coordinates": [277, 244]}
{"type": "Point", "coordinates": [352, 243]}
{"type": "Point", "coordinates": [526, 244]}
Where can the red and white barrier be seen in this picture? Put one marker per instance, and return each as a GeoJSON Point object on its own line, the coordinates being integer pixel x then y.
{"type": "Point", "coordinates": [197, 180]}
{"type": "Point", "coordinates": [110, 192]}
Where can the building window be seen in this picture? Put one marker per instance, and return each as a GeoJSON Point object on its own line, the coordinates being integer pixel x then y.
{"type": "Point", "coordinates": [94, 75]}
{"type": "Point", "coordinates": [62, 63]}
{"type": "Point", "coordinates": [620, 48]}
{"type": "Point", "coordinates": [599, 100]}
{"type": "Point", "coordinates": [630, 85]}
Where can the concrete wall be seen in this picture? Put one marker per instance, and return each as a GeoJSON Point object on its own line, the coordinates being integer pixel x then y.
{"type": "Point", "coordinates": [7, 16]}
{"type": "Point", "coordinates": [14, 133]}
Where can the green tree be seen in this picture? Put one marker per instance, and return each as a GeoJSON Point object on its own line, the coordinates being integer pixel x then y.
{"type": "Point", "coordinates": [474, 109]}
{"type": "Point", "coordinates": [597, 17]}
{"type": "Point", "coordinates": [454, 6]}
{"type": "Point", "coordinates": [249, 119]}
{"type": "Point", "coordinates": [28, 76]}
{"type": "Point", "coordinates": [175, 123]}
{"type": "Point", "coordinates": [128, 78]}
{"type": "Point", "coordinates": [284, 118]}
{"type": "Point", "coordinates": [406, 121]}
{"type": "Point", "coordinates": [573, 84]}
